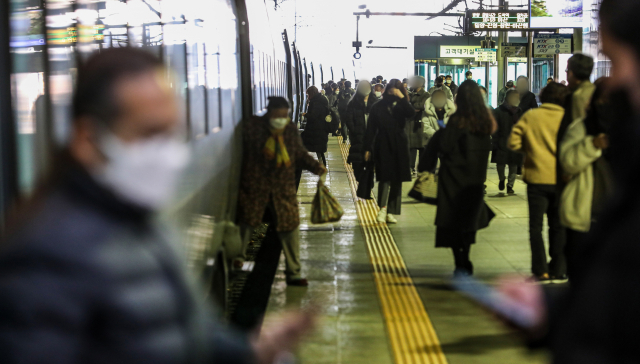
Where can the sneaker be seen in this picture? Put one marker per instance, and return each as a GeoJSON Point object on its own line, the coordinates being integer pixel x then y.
{"type": "Point", "coordinates": [501, 185]}
{"type": "Point", "coordinates": [560, 279]}
{"type": "Point", "coordinates": [391, 219]}
{"type": "Point", "coordinates": [382, 215]}
{"type": "Point", "coordinates": [510, 191]}
{"type": "Point", "coordinates": [297, 282]}
{"type": "Point", "coordinates": [542, 279]}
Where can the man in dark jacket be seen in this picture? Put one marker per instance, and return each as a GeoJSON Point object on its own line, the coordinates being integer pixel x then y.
{"type": "Point", "coordinates": [417, 139]}
{"type": "Point", "coordinates": [343, 100]}
{"type": "Point", "coordinates": [85, 274]}
{"type": "Point", "coordinates": [527, 98]}
{"type": "Point", "coordinates": [452, 86]}
{"type": "Point", "coordinates": [506, 115]}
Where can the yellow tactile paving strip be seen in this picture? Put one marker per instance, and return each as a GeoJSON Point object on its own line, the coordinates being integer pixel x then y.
{"type": "Point", "coordinates": [411, 334]}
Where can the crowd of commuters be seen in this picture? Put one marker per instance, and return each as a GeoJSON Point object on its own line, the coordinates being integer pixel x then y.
{"type": "Point", "coordinates": [85, 265]}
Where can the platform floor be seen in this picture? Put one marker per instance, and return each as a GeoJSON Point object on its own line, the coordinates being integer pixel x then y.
{"type": "Point", "coordinates": [354, 328]}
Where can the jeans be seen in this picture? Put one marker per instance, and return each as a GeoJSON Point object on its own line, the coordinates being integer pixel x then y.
{"type": "Point", "coordinates": [513, 169]}
{"type": "Point", "coordinates": [390, 196]}
{"type": "Point", "coordinates": [322, 158]}
{"type": "Point", "coordinates": [543, 199]}
{"type": "Point", "coordinates": [414, 156]}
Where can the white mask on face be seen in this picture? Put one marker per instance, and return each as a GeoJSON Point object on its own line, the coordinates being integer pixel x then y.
{"type": "Point", "coordinates": [278, 123]}
{"type": "Point", "coordinates": [337, 92]}
{"type": "Point", "coordinates": [144, 173]}
{"type": "Point", "coordinates": [322, 92]}
{"type": "Point", "coordinates": [378, 93]}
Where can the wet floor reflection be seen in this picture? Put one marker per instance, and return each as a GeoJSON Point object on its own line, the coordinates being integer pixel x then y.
{"type": "Point", "coordinates": [334, 259]}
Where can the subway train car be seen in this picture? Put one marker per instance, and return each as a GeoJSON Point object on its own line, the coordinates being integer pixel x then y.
{"type": "Point", "coordinates": [225, 59]}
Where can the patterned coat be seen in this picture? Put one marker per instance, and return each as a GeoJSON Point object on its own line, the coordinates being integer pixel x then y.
{"type": "Point", "coordinates": [261, 180]}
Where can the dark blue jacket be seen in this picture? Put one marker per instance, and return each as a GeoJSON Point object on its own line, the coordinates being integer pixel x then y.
{"type": "Point", "coordinates": [86, 278]}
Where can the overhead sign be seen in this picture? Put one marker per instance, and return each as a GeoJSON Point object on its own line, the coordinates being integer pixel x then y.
{"type": "Point", "coordinates": [457, 51]}
{"type": "Point", "coordinates": [486, 54]}
{"type": "Point", "coordinates": [497, 20]}
{"type": "Point", "coordinates": [517, 60]}
{"type": "Point", "coordinates": [557, 13]}
{"type": "Point", "coordinates": [550, 44]}
{"type": "Point", "coordinates": [514, 50]}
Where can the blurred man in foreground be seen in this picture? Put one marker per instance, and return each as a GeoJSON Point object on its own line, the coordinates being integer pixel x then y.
{"type": "Point", "coordinates": [86, 275]}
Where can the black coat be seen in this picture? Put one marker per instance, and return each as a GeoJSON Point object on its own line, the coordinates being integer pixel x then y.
{"type": "Point", "coordinates": [354, 117]}
{"type": "Point", "coordinates": [316, 133]}
{"type": "Point", "coordinates": [501, 153]}
{"type": "Point", "coordinates": [528, 101]}
{"type": "Point", "coordinates": [463, 171]}
{"type": "Point", "coordinates": [89, 278]}
{"type": "Point", "coordinates": [343, 101]}
{"type": "Point", "coordinates": [454, 88]}
{"type": "Point", "coordinates": [387, 140]}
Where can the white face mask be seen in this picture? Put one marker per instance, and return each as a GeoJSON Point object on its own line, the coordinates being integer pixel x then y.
{"type": "Point", "coordinates": [337, 92]}
{"type": "Point", "coordinates": [378, 93]}
{"type": "Point", "coordinates": [144, 173]}
{"type": "Point", "coordinates": [469, 77]}
{"type": "Point", "coordinates": [448, 82]}
{"type": "Point", "coordinates": [322, 92]}
{"type": "Point", "coordinates": [278, 123]}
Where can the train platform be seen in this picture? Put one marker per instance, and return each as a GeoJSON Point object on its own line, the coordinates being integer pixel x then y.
{"type": "Point", "coordinates": [383, 291]}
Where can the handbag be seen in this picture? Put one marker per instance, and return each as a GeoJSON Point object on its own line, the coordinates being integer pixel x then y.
{"type": "Point", "coordinates": [365, 181]}
{"type": "Point", "coordinates": [425, 188]}
{"type": "Point", "coordinates": [324, 207]}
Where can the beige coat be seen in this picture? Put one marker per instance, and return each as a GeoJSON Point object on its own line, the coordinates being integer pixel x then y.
{"type": "Point", "coordinates": [577, 155]}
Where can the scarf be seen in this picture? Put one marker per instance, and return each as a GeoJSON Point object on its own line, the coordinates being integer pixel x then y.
{"type": "Point", "coordinates": [275, 148]}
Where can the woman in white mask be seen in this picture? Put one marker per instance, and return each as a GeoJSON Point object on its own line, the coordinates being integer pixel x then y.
{"type": "Point", "coordinates": [438, 109]}
{"type": "Point", "coordinates": [272, 151]}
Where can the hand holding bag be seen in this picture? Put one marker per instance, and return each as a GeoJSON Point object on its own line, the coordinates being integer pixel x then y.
{"type": "Point", "coordinates": [324, 207]}
{"type": "Point", "coordinates": [425, 189]}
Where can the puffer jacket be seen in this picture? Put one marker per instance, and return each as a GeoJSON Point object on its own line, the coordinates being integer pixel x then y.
{"type": "Point", "coordinates": [577, 155]}
{"type": "Point", "coordinates": [430, 118]}
{"type": "Point", "coordinates": [88, 278]}
{"type": "Point", "coordinates": [355, 117]}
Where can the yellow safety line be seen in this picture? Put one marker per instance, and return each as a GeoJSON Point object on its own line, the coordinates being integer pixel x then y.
{"type": "Point", "coordinates": [411, 334]}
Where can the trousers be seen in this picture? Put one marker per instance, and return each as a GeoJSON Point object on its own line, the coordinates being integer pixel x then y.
{"type": "Point", "coordinates": [322, 158]}
{"type": "Point", "coordinates": [513, 173]}
{"type": "Point", "coordinates": [390, 196]}
{"type": "Point", "coordinates": [414, 156]}
{"type": "Point", "coordinates": [290, 241]}
{"type": "Point", "coordinates": [543, 199]}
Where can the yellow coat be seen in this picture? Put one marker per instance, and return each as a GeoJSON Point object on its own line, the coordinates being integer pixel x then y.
{"type": "Point", "coordinates": [535, 135]}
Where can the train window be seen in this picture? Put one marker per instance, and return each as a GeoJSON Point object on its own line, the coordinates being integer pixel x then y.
{"type": "Point", "coordinates": [196, 87]}
{"type": "Point", "coordinates": [226, 23]}
{"type": "Point", "coordinates": [213, 86]}
{"type": "Point", "coordinates": [41, 85]}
